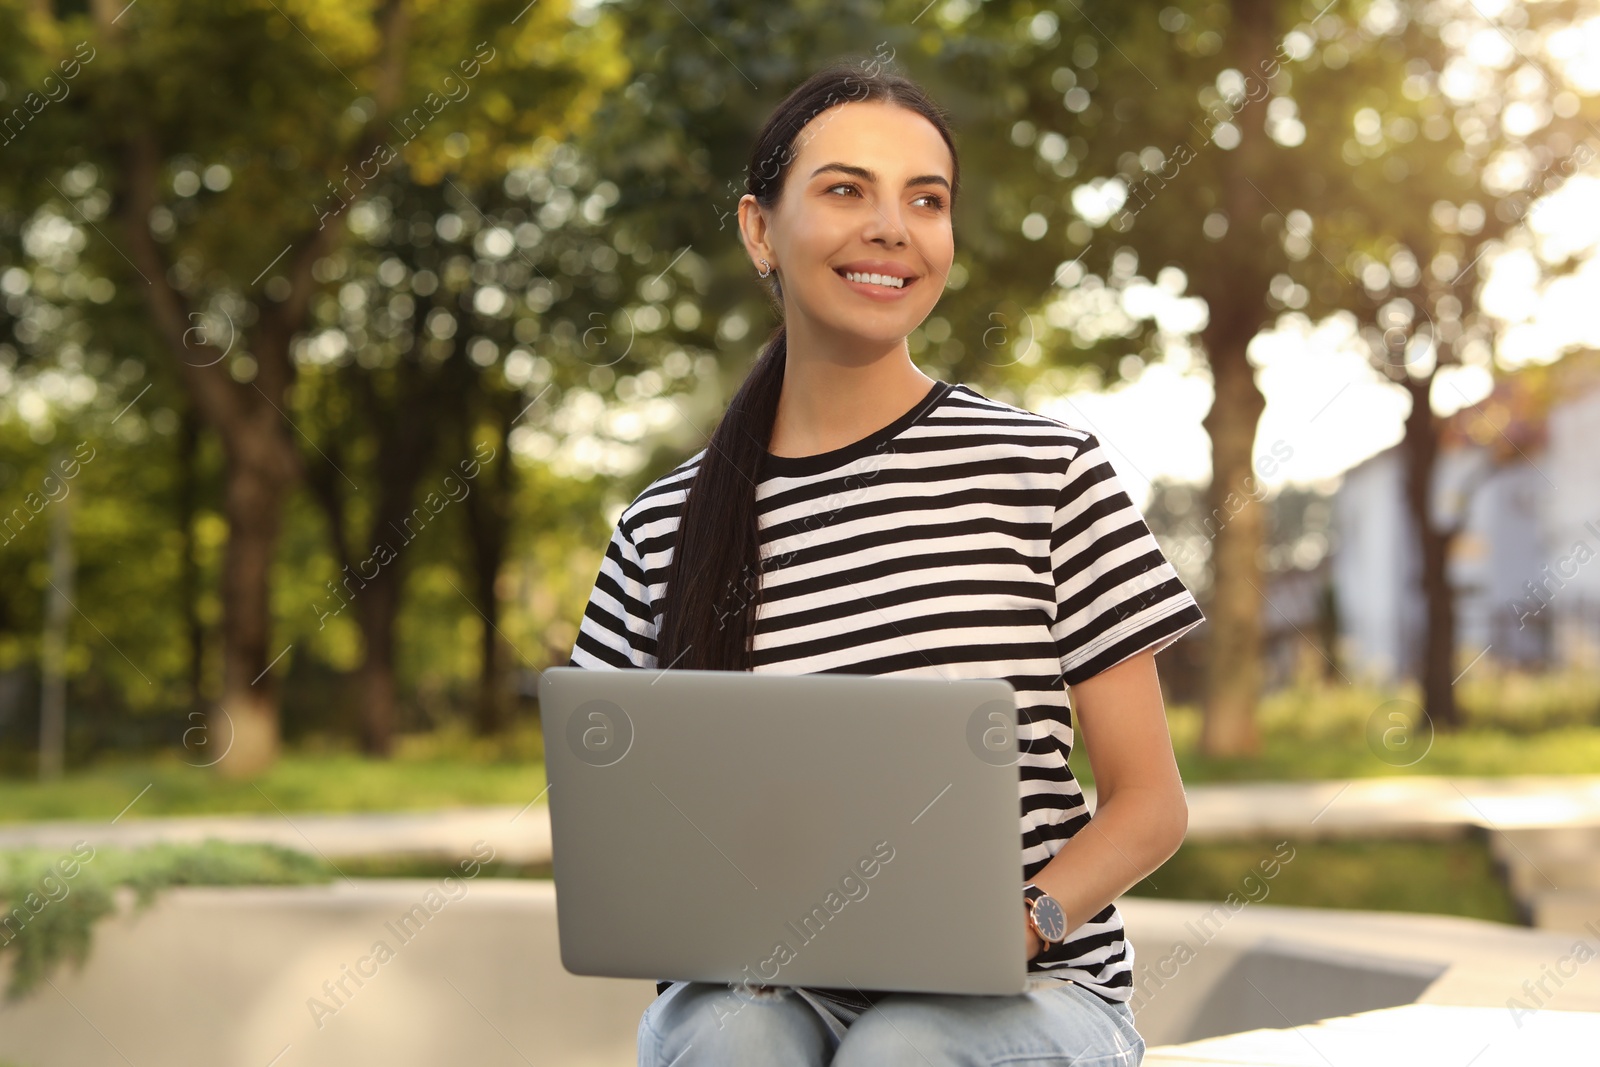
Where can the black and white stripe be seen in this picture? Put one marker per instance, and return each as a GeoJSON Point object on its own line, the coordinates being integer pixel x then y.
{"type": "Point", "coordinates": [967, 539]}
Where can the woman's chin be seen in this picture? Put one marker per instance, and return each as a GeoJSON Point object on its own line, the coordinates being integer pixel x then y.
{"type": "Point", "coordinates": [885, 331]}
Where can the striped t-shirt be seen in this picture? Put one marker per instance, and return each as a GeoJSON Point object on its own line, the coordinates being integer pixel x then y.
{"type": "Point", "coordinates": [966, 539]}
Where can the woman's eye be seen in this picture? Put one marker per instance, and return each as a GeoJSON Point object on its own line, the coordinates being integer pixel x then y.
{"type": "Point", "coordinates": [934, 200]}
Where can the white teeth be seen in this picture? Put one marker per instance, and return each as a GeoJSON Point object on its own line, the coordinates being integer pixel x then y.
{"type": "Point", "coordinates": [878, 279]}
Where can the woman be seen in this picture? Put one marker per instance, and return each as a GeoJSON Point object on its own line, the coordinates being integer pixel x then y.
{"type": "Point", "coordinates": [851, 514]}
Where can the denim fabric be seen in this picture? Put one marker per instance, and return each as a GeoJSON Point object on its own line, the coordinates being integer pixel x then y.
{"type": "Point", "coordinates": [1056, 1023]}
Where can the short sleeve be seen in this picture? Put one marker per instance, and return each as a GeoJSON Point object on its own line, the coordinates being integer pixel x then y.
{"type": "Point", "coordinates": [1116, 593]}
{"type": "Point", "coordinates": [618, 630]}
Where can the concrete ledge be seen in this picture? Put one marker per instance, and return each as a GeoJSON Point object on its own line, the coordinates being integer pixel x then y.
{"type": "Point", "coordinates": [230, 977]}
{"type": "Point", "coordinates": [1323, 962]}
{"type": "Point", "coordinates": [223, 977]}
{"type": "Point", "coordinates": [1416, 1035]}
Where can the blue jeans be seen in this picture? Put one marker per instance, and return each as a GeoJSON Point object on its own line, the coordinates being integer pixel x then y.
{"type": "Point", "coordinates": [1056, 1023]}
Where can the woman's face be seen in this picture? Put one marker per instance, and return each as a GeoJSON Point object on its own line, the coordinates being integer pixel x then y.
{"type": "Point", "coordinates": [868, 193]}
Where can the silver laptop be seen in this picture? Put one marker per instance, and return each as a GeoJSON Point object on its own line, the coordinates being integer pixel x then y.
{"type": "Point", "coordinates": [799, 830]}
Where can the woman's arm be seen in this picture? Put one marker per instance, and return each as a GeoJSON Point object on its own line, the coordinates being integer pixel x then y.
{"type": "Point", "coordinates": [1140, 813]}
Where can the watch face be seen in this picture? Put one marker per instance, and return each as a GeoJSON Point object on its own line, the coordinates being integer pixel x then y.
{"type": "Point", "coordinates": [1049, 918]}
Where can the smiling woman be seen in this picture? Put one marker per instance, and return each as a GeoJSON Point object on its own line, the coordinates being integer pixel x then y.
{"type": "Point", "coordinates": [853, 515]}
{"type": "Point", "coordinates": [859, 252]}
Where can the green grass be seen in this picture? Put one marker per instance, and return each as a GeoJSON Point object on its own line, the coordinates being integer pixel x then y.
{"type": "Point", "coordinates": [443, 770]}
{"type": "Point", "coordinates": [1513, 724]}
{"type": "Point", "coordinates": [1486, 753]}
{"type": "Point", "coordinates": [1456, 877]}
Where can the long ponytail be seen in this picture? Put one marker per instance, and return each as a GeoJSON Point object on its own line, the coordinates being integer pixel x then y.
{"type": "Point", "coordinates": [714, 577]}
{"type": "Point", "coordinates": [718, 543]}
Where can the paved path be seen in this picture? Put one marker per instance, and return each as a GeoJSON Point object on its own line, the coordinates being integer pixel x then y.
{"type": "Point", "coordinates": [518, 835]}
{"type": "Point", "coordinates": [1391, 807]}
{"type": "Point", "coordinates": [1367, 807]}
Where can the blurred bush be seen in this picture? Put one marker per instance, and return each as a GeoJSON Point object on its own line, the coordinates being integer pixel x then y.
{"type": "Point", "coordinates": [50, 915]}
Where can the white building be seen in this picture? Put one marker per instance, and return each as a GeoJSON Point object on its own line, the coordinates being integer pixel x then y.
{"type": "Point", "coordinates": [1525, 466]}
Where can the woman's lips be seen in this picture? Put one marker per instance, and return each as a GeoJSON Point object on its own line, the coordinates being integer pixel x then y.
{"type": "Point", "coordinates": [877, 292]}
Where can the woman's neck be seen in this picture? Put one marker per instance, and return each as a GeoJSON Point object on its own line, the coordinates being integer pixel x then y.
{"type": "Point", "coordinates": [826, 404]}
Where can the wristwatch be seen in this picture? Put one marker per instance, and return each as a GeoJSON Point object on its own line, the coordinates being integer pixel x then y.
{"type": "Point", "coordinates": [1045, 915]}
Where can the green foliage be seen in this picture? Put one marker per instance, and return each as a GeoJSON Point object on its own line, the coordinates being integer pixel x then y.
{"type": "Point", "coordinates": [677, 138]}
{"type": "Point", "coordinates": [53, 914]}
{"type": "Point", "coordinates": [437, 867]}
{"type": "Point", "coordinates": [1513, 702]}
{"type": "Point", "coordinates": [1520, 703]}
{"type": "Point", "coordinates": [120, 497]}
{"type": "Point", "coordinates": [150, 869]}
{"type": "Point", "coordinates": [1433, 877]}
{"type": "Point", "coordinates": [253, 111]}
{"type": "Point", "coordinates": [48, 918]}
{"type": "Point", "coordinates": [128, 660]}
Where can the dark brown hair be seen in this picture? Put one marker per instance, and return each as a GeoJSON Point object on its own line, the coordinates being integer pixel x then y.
{"type": "Point", "coordinates": [714, 578]}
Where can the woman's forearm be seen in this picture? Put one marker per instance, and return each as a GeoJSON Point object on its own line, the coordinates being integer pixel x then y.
{"type": "Point", "coordinates": [1130, 835]}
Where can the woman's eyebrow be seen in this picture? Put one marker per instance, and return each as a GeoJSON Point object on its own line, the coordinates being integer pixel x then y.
{"type": "Point", "coordinates": [864, 173]}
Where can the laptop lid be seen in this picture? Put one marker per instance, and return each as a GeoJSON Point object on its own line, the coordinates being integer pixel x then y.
{"type": "Point", "coordinates": [817, 829]}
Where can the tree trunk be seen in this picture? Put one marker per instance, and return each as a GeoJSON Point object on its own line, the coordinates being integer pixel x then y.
{"type": "Point", "coordinates": [189, 566]}
{"type": "Point", "coordinates": [260, 473]}
{"type": "Point", "coordinates": [53, 647]}
{"type": "Point", "coordinates": [1237, 518]}
{"type": "Point", "coordinates": [376, 582]}
{"type": "Point", "coordinates": [379, 608]}
{"type": "Point", "coordinates": [1236, 313]}
{"type": "Point", "coordinates": [260, 462]}
{"type": "Point", "coordinates": [406, 442]}
{"type": "Point", "coordinates": [491, 716]}
{"type": "Point", "coordinates": [1421, 450]}
{"type": "Point", "coordinates": [488, 518]}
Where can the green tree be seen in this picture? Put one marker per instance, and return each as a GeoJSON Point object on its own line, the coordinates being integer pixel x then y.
{"type": "Point", "coordinates": [1059, 107]}
{"type": "Point", "coordinates": [1433, 165]}
{"type": "Point", "coordinates": [467, 310]}
{"type": "Point", "coordinates": [231, 139]}
{"type": "Point", "coordinates": [1168, 173]}
{"type": "Point", "coordinates": [1272, 158]}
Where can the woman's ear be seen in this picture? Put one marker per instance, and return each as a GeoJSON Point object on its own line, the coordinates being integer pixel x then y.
{"type": "Point", "coordinates": [753, 229]}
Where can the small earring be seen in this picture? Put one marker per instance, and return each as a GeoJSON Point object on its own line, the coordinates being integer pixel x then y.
{"type": "Point", "coordinates": [767, 269]}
